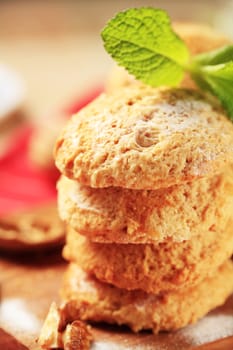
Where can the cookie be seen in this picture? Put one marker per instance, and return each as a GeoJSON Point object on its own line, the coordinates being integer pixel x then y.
{"type": "Point", "coordinates": [36, 229]}
{"type": "Point", "coordinates": [198, 37]}
{"type": "Point", "coordinates": [130, 216]}
{"type": "Point", "coordinates": [145, 138]}
{"type": "Point", "coordinates": [88, 299]}
{"type": "Point", "coordinates": [152, 267]}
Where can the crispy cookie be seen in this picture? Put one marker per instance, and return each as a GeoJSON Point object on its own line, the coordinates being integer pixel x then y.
{"type": "Point", "coordinates": [89, 299]}
{"type": "Point", "coordinates": [131, 216]}
{"type": "Point", "coordinates": [152, 268]}
{"type": "Point", "coordinates": [198, 37]}
{"type": "Point", "coordinates": [145, 138]}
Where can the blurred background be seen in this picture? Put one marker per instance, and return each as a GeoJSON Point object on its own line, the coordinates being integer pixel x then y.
{"type": "Point", "coordinates": [56, 48]}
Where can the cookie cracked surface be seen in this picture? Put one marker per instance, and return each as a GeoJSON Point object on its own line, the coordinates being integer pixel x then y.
{"type": "Point", "coordinates": [145, 138]}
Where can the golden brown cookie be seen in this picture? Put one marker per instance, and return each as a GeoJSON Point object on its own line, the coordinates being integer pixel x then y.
{"type": "Point", "coordinates": [198, 37]}
{"type": "Point", "coordinates": [152, 268]}
{"type": "Point", "coordinates": [131, 216]}
{"type": "Point", "coordinates": [34, 229]}
{"type": "Point", "coordinates": [145, 138]}
{"type": "Point", "coordinates": [89, 299]}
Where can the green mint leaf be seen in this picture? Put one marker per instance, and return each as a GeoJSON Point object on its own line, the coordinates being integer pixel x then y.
{"type": "Point", "coordinates": [222, 55]}
{"type": "Point", "coordinates": [218, 80]}
{"type": "Point", "coordinates": [142, 41]}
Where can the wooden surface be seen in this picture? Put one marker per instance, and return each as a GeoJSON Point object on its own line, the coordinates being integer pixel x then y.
{"type": "Point", "coordinates": [28, 285]}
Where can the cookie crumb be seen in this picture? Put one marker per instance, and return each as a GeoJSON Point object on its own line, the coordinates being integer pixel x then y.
{"type": "Point", "coordinates": [55, 335]}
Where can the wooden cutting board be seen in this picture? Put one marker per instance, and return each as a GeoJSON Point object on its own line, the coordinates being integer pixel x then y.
{"type": "Point", "coordinates": [29, 284]}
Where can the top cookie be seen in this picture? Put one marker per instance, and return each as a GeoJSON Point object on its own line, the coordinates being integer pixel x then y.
{"type": "Point", "coordinates": [145, 138]}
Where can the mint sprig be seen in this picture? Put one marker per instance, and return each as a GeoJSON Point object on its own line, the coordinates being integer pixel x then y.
{"type": "Point", "coordinates": [222, 55]}
{"type": "Point", "coordinates": [142, 41]}
{"type": "Point", "coordinates": [217, 79]}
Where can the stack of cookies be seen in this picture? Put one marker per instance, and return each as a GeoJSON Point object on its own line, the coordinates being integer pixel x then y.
{"type": "Point", "coordinates": [147, 195]}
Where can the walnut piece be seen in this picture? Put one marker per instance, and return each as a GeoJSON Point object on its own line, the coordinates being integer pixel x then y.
{"type": "Point", "coordinates": [57, 334]}
{"type": "Point", "coordinates": [77, 336]}
{"type": "Point", "coordinates": [50, 337]}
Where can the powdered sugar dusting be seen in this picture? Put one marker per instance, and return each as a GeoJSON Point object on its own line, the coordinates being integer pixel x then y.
{"type": "Point", "coordinates": [15, 313]}
{"type": "Point", "coordinates": [209, 328]}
